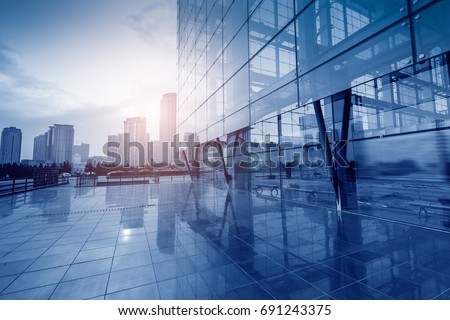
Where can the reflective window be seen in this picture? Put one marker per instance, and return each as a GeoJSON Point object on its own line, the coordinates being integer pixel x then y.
{"type": "Point", "coordinates": [215, 107]}
{"type": "Point", "coordinates": [432, 30]}
{"type": "Point", "coordinates": [233, 20]}
{"type": "Point", "coordinates": [236, 91]}
{"type": "Point", "coordinates": [269, 18]}
{"type": "Point", "coordinates": [325, 24]}
{"type": "Point", "coordinates": [274, 103]}
{"type": "Point", "coordinates": [236, 54]}
{"type": "Point", "coordinates": [214, 48]}
{"type": "Point", "coordinates": [275, 65]}
{"type": "Point", "coordinates": [301, 5]}
{"type": "Point", "coordinates": [216, 130]}
{"type": "Point", "coordinates": [417, 4]}
{"type": "Point", "coordinates": [414, 99]}
{"type": "Point", "coordinates": [200, 92]}
{"type": "Point", "coordinates": [214, 18]}
{"type": "Point", "coordinates": [214, 77]}
{"type": "Point", "coordinates": [371, 59]}
{"type": "Point", "coordinates": [238, 120]}
{"type": "Point", "coordinates": [200, 118]}
{"type": "Point", "coordinates": [253, 4]}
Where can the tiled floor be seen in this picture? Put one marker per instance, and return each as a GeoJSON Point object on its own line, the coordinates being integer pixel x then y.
{"type": "Point", "coordinates": [183, 240]}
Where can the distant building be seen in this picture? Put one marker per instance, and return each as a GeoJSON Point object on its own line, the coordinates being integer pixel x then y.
{"type": "Point", "coordinates": [40, 148]}
{"type": "Point", "coordinates": [62, 143]}
{"type": "Point", "coordinates": [168, 120]}
{"type": "Point", "coordinates": [80, 153]}
{"type": "Point", "coordinates": [10, 145]}
{"type": "Point", "coordinates": [112, 152]}
{"type": "Point", "coordinates": [56, 145]}
{"type": "Point", "coordinates": [95, 160]}
{"type": "Point", "coordinates": [136, 128]}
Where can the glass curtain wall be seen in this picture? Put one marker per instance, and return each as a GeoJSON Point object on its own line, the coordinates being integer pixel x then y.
{"type": "Point", "coordinates": [339, 104]}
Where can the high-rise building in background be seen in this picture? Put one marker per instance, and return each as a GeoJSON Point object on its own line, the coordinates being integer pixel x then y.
{"type": "Point", "coordinates": [40, 148]}
{"type": "Point", "coordinates": [356, 91]}
{"type": "Point", "coordinates": [10, 145]}
{"type": "Point", "coordinates": [62, 143]}
{"type": "Point", "coordinates": [117, 138]}
{"type": "Point", "coordinates": [80, 152]}
{"type": "Point", "coordinates": [168, 117]}
{"type": "Point", "coordinates": [56, 145]}
{"type": "Point", "coordinates": [49, 134]}
{"type": "Point", "coordinates": [135, 130]}
{"type": "Point", "coordinates": [167, 123]}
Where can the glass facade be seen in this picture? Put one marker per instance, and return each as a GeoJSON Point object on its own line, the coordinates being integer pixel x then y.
{"type": "Point", "coordinates": [334, 104]}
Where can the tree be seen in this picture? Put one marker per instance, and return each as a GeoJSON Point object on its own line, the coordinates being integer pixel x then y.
{"type": "Point", "coordinates": [66, 167]}
{"type": "Point", "coordinates": [89, 167]}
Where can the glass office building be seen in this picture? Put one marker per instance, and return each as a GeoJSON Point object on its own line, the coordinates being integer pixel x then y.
{"type": "Point", "coordinates": [343, 104]}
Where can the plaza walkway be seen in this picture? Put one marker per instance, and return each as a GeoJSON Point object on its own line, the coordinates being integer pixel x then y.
{"type": "Point", "coordinates": [193, 240]}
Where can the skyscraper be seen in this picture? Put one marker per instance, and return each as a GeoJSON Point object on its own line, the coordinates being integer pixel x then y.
{"type": "Point", "coordinates": [62, 143]}
{"type": "Point", "coordinates": [40, 148]}
{"type": "Point", "coordinates": [82, 151]}
{"type": "Point", "coordinates": [10, 145]}
{"type": "Point", "coordinates": [135, 141]}
{"type": "Point", "coordinates": [168, 120]}
{"type": "Point", "coordinates": [113, 151]}
{"type": "Point", "coordinates": [168, 117]}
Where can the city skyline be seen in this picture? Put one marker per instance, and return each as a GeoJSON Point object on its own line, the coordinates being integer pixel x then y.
{"type": "Point", "coordinates": [61, 71]}
{"type": "Point", "coordinates": [10, 145]}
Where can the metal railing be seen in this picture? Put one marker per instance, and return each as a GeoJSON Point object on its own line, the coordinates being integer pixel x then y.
{"type": "Point", "coordinates": [13, 186]}
{"type": "Point", "coordinates": [128, 179]}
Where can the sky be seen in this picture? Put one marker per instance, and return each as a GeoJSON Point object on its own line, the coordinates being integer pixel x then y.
{"type": "Point", "coordinates": [89, 63]}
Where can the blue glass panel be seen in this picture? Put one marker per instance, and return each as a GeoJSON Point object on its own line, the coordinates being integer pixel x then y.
{"type": "Point", "coordinates": [236, 54]}
{"type": "Point", "coordinates": [268, 19]}
{"type": "Point", "coordinates": [432, 30]}
{"type": "Point", "coordinates": [215, 107]}
{"type": "Point", "coordinates": [384, 53]}
{"type": "Point", "coordinates": [327, 28]}
{"type": "Point", "coordinates": [236, 91]}
{"type": "Point", "coordinates": [274, 103]}
{"type": "Point", "coordinates": [233, 20]}
{"type": "Point", "coordinates": [275, 65]}
{"type": "Point", "coordinates": [237, 120]}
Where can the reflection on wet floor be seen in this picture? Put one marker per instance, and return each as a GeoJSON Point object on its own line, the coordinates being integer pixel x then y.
{"type": "Point", "coordinates": [184, 240]}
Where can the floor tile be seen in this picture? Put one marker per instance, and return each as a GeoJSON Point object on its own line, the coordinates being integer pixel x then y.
{"type": "Point", "coordinates": [47, 262]}
{"type": "Point", "coordinates": [249, 292]}
{"type": "Point", "coordinates": [35, 279]}
{"type": "Point", "coordinates": [41, 293]}
{"type": "Point", "coordinates": [147, 292]}
{"type": "Point", "coordinates": [15, 267]}
{"type": "Point", "coordinates": [358, 291]}
{"type": "Point", "coordinates": [88, 269]}
{"type": "Point", "coordinates": [131, 260]}
{"type": "Point", "coordinates": [81, 288]}
{"type": "Point", "coordinates": [189, 287]}
{"type": "Point", "coordinates": [95, 254]}
{"type": "Point", "coordinates": [173, 268]}
{"type": "Point", "coordinates": [324, 278]}
{"type": "Point", "coordinates": [130, 278]}
{"type": "Point", "coordinates": [288, 286]}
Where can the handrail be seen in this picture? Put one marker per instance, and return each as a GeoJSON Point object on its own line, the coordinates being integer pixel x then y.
{"type": "Point", "coordinates": [18, 185]}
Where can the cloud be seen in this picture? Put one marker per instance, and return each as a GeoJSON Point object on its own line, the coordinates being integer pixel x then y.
{"type": "Point", "coordinates": [26, 95]}
{"type": "Point", "coordinates": [147, 23]}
